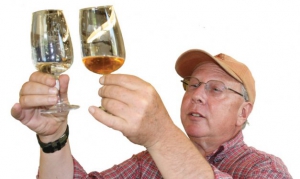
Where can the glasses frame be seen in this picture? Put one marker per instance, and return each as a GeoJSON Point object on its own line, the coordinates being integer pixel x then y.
{"type": "Point", "coordinates": [185, 84]}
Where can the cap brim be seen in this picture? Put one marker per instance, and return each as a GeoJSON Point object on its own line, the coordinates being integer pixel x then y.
{"type": "Point", "coordinates": [189, 60]}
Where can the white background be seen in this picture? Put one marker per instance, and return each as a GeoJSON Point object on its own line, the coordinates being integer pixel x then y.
{"type": "Point", "coordinates": [265, 35]}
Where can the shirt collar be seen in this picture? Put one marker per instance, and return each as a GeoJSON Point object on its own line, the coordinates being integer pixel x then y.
{"type": "Point", "coordinates": [224, 149]}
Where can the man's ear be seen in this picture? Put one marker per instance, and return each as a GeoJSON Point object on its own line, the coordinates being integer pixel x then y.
{"type": "Point", "coordinates": [243, 113]}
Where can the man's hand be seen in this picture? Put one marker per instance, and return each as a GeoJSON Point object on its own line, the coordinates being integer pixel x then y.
{"type": "Point", "coordinates": [135, 109]}
{"type": "Point", "coordinates": [38, 93]}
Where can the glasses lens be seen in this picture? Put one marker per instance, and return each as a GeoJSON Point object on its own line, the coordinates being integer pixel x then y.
{"type": "Point", "coordinates": [185, 83]}
{"type": "Point", "coordinates": [215, 88]}
{"type": "Point", "coordinates": [193, 81]}
{"type": "Point", "coordinates": [190, 83]}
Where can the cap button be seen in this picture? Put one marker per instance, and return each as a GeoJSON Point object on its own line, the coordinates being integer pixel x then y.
{"type": "Point", "coordinates": [221, 56]}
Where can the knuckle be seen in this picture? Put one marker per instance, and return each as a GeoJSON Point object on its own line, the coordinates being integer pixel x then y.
{"type": "Point", "coordinates": [103, 91]}
{"type": "Point", "coordinates": [123, 79]}
{"type": "Point", "coordinates": [111, 124]}
{"type": "Point", "coordinates": [32, 76]}
{"type": "Point", "coordinates": [23, 88]}
{"type": "Point", "coordinates": [149, 89]}
{"type": "Point", "coordinates": [23, 100]}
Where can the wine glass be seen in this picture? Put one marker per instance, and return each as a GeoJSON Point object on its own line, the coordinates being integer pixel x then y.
{"type": "Point", "coordinates": [102, 45]}
{"type": "Point", "coordinates": [52, 50]}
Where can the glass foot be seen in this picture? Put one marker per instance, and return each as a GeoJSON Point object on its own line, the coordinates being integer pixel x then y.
{"type": "Point", "coordinates": [59, 108]}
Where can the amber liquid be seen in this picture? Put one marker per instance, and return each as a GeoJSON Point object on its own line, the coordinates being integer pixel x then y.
{"type": "Point", "coordinates": [103, 64]}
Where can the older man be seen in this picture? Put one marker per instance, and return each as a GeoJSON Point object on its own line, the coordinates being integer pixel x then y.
{"type": "Point", "coordinates": [219, 97]}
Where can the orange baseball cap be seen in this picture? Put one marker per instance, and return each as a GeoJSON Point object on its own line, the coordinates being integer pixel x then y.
{"type": "Point", "coordinates": [191, 59]}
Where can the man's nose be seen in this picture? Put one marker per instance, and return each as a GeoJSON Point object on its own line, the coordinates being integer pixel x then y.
{"type": "Point", "coordinates": [199, 94]}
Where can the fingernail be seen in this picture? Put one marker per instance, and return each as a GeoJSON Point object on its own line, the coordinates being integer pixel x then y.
{"type": "Point", "coordinates": [91, 110]}
{"type": "Point", "coordinates": [52, 91]}
{"type": "Point", "coordinates": [101, 80]}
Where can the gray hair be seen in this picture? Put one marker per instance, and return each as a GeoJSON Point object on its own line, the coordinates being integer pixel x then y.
{"type": "Point", "coordinates": [246, 97]}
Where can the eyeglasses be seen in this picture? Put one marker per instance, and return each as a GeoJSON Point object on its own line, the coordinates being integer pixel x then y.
{"type": "Point", "coordinates": [213, 88]}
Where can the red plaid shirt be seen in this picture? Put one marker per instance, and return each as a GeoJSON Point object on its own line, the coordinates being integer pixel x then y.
{"type": "Point", "coordinates": [234, 159]}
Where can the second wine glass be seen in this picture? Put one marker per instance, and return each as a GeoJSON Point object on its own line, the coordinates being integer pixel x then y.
{"type": "Point", "coordinates": [102, 44]}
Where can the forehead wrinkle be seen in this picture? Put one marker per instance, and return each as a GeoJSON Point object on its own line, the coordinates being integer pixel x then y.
{"type": "Point", "coordinates": [212, 71]}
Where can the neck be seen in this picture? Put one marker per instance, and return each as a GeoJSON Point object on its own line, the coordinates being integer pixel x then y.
{"type": "Point", "coordinates": [208, 145]}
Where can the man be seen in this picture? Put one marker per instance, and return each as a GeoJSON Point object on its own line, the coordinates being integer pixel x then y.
{"type": "Point", "coordinates": [219, 97]}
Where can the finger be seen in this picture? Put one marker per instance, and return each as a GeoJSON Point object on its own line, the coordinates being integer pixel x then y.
{"type": "Point", "coordinates": [43, 78]}
{"type": "Point", "coordinates": [137, 99]}
{"type": "Point", "coordinates": [64, 83]}
{"type": "Point", "coordinates": [16, 111]}
{"type": "Point", "coordinates": [34, 94]}
{"type": "Point", "coordinates": [117, 92]}
{"type": "Point", "coordinates": [19, 114]}
{"type": "Point", "coordinates": [29, 101]}
{"type": "Point", "coordinates": [107, 119]}
{"type": "Point", "coordinates": [116, 107]}
{"type": "Point", "coordinates": [126, 81]}
{"type": "Point", "coordinates": [30, 88]}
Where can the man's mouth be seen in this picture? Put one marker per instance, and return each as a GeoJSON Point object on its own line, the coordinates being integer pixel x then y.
{"type": "Point", "coordinates": [196, 114]}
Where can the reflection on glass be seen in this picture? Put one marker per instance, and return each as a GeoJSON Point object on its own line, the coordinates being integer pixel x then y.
{"type": "Point", "coordinates": [52, 50]}
{"type": "Point", "coordinates": [102, 44]}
